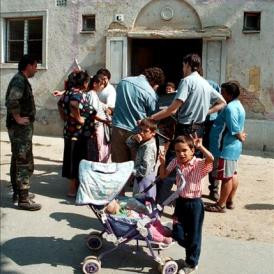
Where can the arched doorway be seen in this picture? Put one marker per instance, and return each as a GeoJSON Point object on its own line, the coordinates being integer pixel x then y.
{"type": "Point", "coordinates": [163, 32]}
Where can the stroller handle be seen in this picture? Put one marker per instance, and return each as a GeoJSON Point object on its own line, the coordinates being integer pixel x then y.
{"type": "Point", "coordinates": [174, 195]}
{"type": "Point", "coordinates": [151, 185]}
{"type": "Point", "coordinates": [163, 136]}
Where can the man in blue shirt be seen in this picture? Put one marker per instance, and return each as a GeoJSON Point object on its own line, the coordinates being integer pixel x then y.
{"type": "Point", "coordinates": [136, 99]}
{"type": "Point", "coordinates": [213, 184]}
{"type": "Point", "coordinates": [194, 100]}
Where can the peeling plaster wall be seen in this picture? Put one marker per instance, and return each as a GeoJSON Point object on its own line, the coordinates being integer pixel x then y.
{"type": "Point", "coordinates": [249, 56]}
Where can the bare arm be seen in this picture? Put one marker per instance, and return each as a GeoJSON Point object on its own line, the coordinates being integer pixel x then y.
{"type": "Point", "coordinates": [207, 154]}
{"type": "Point", "coordinates": [220, 104]}
{"type": "Point", "coordinates": [58, 93]}
{"type": "Point", "coordinates": [162, 168]}
{"type": "Point", "coordinates": [102, 120]}
{"type": "Point", "coordinates": [167, 111]}
{"type": "Point", "coordinates": [199, 145]}
{"type": "Point", "coordinates": [75, 113]}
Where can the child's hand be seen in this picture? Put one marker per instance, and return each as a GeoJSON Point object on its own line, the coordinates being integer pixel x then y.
{"type": "Point", "coordinates": [162, 158]}
{"type": "Point", "coordinates": [137, 137]}
{"type": "Point", "coordinates": [242, 136]}
{"type": "Point", "coordinates": [197, 141]}
{"type": "Point", "coordinates": [81, 120]}
{"type": "Point", "coordinates": [58, 93]}
{"type": "Point", "coordinates": [108, 111]}
{"type": "Point", "coordinates": [166, 146]}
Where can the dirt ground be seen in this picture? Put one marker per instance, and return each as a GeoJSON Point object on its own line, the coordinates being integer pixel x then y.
{"type": "Point", "coordinates": [253, 217]}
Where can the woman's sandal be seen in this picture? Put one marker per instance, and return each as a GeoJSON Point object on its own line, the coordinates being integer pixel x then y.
{"type": "Point", "coordinates": [215, 208]}
{"type": "Point", "coordinates": [230, 205]}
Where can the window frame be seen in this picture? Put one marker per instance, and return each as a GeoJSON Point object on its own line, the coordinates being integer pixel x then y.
{"type": "Point", "coordinates": [252, 13]}
{"type": "Point", "coordinates": [82, 27]}
{"type": "Point", "coordinates": [4, 36]}
{"type": "Point", "coordinates": [61, 3]}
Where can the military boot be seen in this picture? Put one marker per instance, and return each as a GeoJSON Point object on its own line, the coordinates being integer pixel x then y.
{"type": "Point", "coordinates": [15, 196]}
{"type": "Point", "coordinates": [26, 203]}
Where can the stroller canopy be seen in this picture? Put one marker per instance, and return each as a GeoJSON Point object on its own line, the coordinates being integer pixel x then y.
{"type": "Point", "coordinates": [100, 183]}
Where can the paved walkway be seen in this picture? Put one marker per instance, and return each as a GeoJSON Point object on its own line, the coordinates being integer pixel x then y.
{"type": "Point", "coordinates": [53, 240]}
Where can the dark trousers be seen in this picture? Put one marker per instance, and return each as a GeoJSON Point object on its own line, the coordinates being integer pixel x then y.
{"type": "Point", "coordinates": [187, 230]}
{"type": "Point", "coordinates": [22, 165]}
{"type": "Point", "coordinates": [190, 129]}
{"type": "Point", "coordinates": [213, 184]}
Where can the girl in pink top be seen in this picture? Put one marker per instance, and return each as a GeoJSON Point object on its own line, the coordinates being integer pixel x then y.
{"type": "Point", "coordinates": [189, 209]}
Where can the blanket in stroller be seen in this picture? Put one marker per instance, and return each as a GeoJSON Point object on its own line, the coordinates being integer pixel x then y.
{"type": "Point", "coordinates": [100, 182]}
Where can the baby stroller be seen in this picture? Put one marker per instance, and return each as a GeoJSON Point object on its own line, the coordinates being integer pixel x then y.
{"type": "Point", "coordinates": [99, 184]}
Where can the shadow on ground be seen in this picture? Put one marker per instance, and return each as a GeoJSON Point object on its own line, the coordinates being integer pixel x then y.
{"type": "Point", "coordinates": [259, 206]}
{"type": "Point", "coordinates": [45, 250]}
{"type": "Point", "coordinates": [259, 153]}
{"type": "Point", "coordinates": [77, 221]}
{"type": "Point", "coordinates": [33, 251]}
{"type": "Point", "coordinates": [41, 158]}
{"type": "Point", "coordinates": [47, 181]}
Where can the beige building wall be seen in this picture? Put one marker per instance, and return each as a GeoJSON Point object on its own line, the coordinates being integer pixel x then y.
{"type": "Point", "coordinates": [228, 53]}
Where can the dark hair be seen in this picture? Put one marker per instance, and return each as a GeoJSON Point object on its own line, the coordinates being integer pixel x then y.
{"type": "Point", "coordinates": [232, 88]}
{"type": "Point", "coordinates": [149, 124]}
{"type": "Point", "coordinates": [185, 140]}
{"type": "Point", "coordinates": [26, 60]}
{"type": "Point", "coordinates": [97, 78]}
{"type": "Point", "coordinates": [78, 79]}
{"type": "Point", "coordinates": [194, 61]}
{"type": "Point", "coordinates": [154, 75]}
{"type": "Point", "coordinates": [105, 72]}
{"type": "Point", "coordinates": [201, 71]}
{"type": "Point", "coordinates": [170, 84]}
{"type": "Point", "coordinates": [70, 82]}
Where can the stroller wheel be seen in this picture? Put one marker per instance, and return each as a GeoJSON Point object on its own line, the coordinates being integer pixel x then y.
{"type": "Point", "coordinates": [91, 265]}
{"type": "Point", "coordinates": [94, 241]}
{"type": "Point", "coordinates": [170, 267]}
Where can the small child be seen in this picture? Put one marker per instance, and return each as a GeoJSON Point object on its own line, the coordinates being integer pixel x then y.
{"type": "Point", "coordinates": [144, 143]}
{"type": "Point", "coordinates": [132, 208]}
{"type": "Point", "coordinates": [170, 87]}
{"type": "Point", "coordinates": [189, 209]}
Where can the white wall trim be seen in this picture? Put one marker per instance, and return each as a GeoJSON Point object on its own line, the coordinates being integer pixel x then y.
{"type": "Point", "coordinates": [6, 15]}
{"type": "Point", "coordinates": [124, 61]}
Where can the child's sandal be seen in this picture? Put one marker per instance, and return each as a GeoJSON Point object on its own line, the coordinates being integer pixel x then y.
{"type": "Point", "coordinates": [215, 208]}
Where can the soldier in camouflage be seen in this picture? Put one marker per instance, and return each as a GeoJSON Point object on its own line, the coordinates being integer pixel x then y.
{"type": "Point", "coordinates": [20, 117]}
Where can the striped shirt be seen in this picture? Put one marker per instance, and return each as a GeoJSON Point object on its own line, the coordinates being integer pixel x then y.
{"type": "Point", "coordinates": [193, 173]}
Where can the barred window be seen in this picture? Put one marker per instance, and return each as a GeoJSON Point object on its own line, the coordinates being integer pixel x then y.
{"type": "Point", "coordinates": [61, 3]}
{"type": "Point", "coordinates": [24, 36]}
{"type": "Point", "coordinates": [88, 22]}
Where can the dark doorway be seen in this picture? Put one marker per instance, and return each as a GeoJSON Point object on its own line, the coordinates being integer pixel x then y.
{"type": "Point", "coordinates": [164, 53]}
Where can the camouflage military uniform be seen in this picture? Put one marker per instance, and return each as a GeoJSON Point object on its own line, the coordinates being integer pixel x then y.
{"type": "Point", "coordinates": [19, 100]}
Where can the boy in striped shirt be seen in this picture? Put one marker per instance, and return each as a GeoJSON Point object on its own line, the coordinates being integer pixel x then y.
{"type": "Point", "coordinates": [189, 209]}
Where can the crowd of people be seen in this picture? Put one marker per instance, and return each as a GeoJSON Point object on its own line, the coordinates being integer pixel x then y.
{"type": "Point", "coordinates": [102, 124]}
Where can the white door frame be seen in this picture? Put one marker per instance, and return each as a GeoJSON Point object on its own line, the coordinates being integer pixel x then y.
{"type": "Point", "coordinates": [117, 57]}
